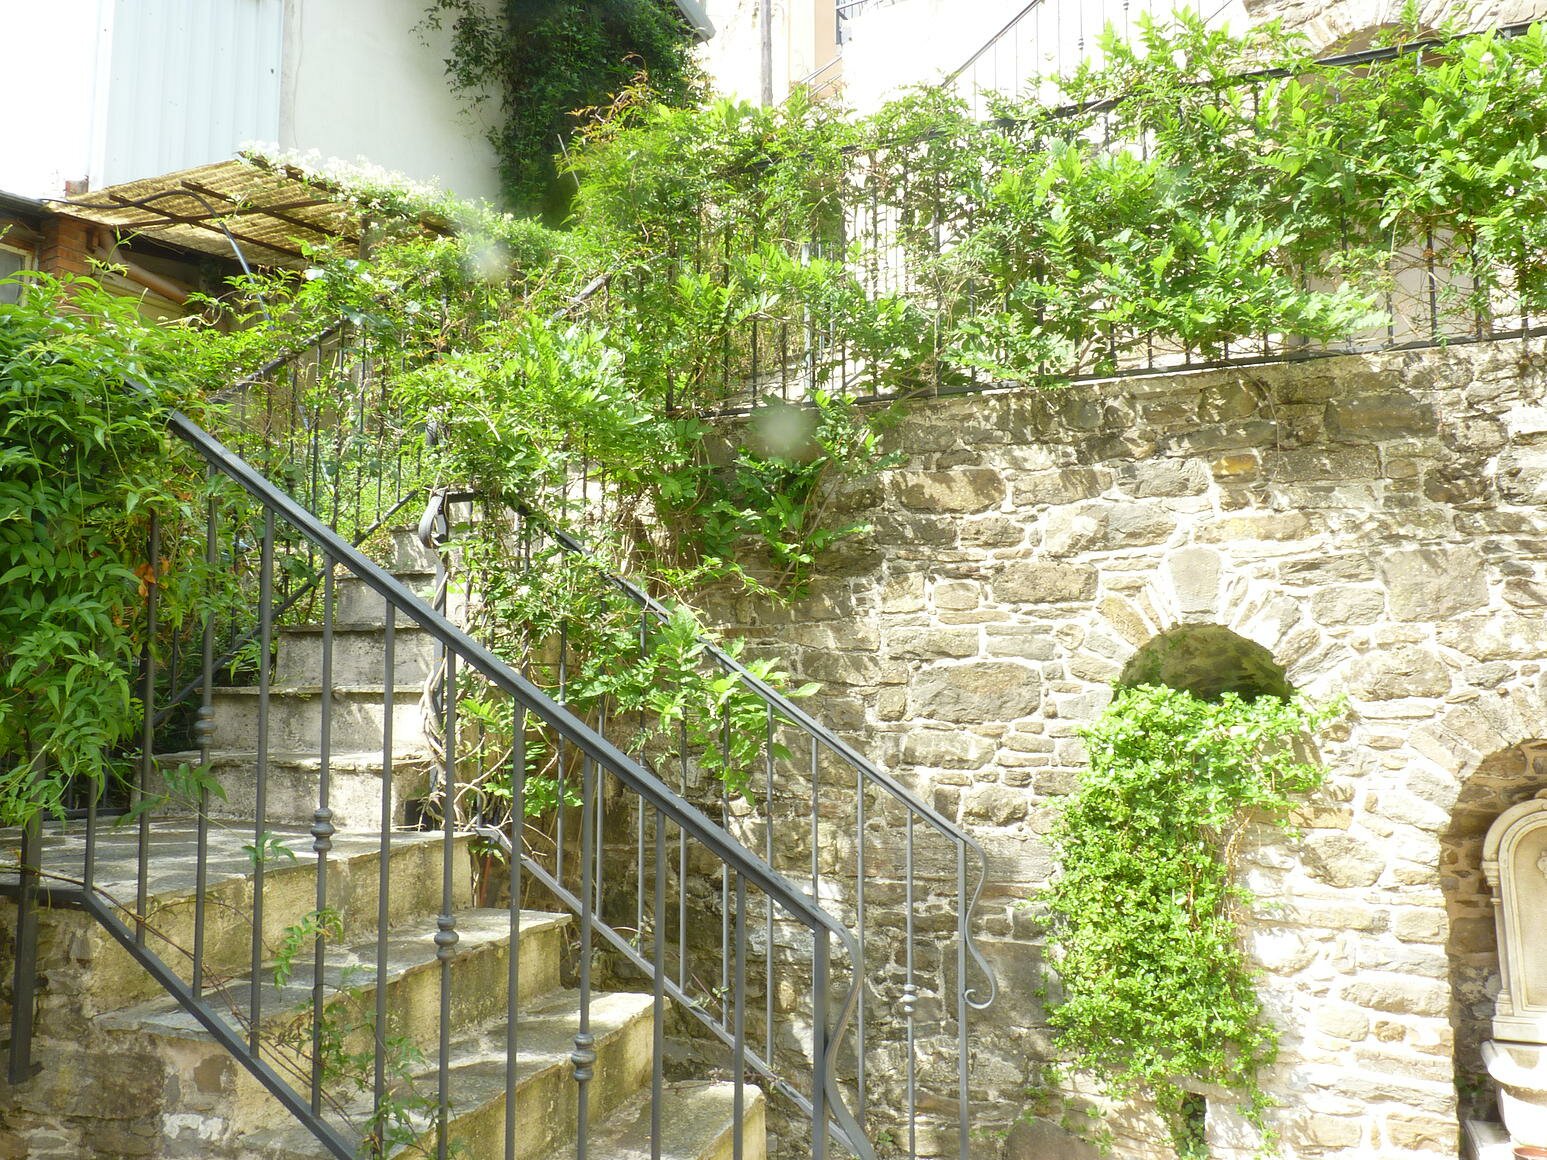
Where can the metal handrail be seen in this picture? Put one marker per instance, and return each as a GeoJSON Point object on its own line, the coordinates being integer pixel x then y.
{"type": "Point", "coordinates": [808, 724]}
{"type": "Point", "coordinates": [987, 45]}
{"type": "Point", "coordinates": [666, 803]}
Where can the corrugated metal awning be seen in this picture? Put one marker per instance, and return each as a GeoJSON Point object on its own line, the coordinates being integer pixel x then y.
{"type": "Point", "coordinates": [268, 212]}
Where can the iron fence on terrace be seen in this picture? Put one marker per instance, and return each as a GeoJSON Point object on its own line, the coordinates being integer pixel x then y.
{"type": "Point", "coordinates": [893, 225]}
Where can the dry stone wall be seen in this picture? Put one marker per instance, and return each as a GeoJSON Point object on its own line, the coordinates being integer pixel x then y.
{"type": "Point", "coordinates": [1375, 523]}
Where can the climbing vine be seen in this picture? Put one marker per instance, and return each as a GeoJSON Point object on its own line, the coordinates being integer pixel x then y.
{"type": "Point", "coordinates": [1153, 993]}
{"type": "Point", "coordinates": [549, 59]}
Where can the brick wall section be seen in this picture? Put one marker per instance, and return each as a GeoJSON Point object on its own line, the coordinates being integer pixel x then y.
{"type": "Point", "coordinates": [64, 246]}
{"type": "Point", "coordinates": [1375, 523]}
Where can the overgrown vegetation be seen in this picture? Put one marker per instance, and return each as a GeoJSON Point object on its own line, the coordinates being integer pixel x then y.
{"type": "Point", "coordinates": [84, 462]}
{"type": "Point", "coordinates": [548, 59]}
{"type": "Point", "coordinates": [1153, 993]}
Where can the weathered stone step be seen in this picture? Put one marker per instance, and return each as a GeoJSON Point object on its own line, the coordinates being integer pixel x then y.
{"type": "Point", "coordinates": [698, 1122]}
{"type": "Point", "coordinates": [358, 605]}
{"type": "Point", "coordinates": [479, 972]}
{"type": "Point", "coordinates": [289, 890]}
{"type": "Point", "coordinates": [407, 553]}
{"type": "Point", "coordinates": [546, 1092]}
{"type": "Point", "coordinates": [359, 656]}
{"type": "Point", "coordinates": [295, 719]}
{"type": "Point", "coordinates": [354, 786]}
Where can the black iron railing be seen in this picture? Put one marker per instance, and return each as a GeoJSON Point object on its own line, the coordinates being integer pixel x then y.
{"type": "Point", "coordinates": [903, 878]}
{"type": "Point", "coordinates": [892, 217]}
{"type": "Point", "coordinates": [300, 1011]}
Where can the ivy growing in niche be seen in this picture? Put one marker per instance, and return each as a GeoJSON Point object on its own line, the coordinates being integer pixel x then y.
{"type": "Point", "coordinates": [1154, 995]}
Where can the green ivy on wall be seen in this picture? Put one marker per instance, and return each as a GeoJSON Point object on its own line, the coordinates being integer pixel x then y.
{"type": "Point", "coordinates": [550, 59]}
{"type": "Point", "coordinates": [1153, 993]}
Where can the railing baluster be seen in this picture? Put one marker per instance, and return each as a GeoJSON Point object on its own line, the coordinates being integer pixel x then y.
{"type": "Point", "coordinates": [639, 885]}
{"type": "Point", "coordinates": [816, 833]}
{"type": "Point", "coordinates": [658, 991]}
{"type": "Point", "coordinates": [682, 872]}
{"type": "Point", "coordinates": [725, 872]}
{"type": "Point", "coordinates": [739, 1049]}
{"type": "Point", "coordinates": [261, 775]}
{"type": "Point", "coordinates": [860, 968]}
{"type": "Point", "coordinates": [204, 732]}
{"type": "Point", "coordinates": [384, 876]}
{"type": "Point", "coordinates": [599, 808]}
{"type": "Point", "coordinates": [584, 1056]}
{"type": "Point", "coordinates": [513, 983]}
{"type": "Point", "coordinates": [909, 990]}
{"type": "Point", "coordinates": [148, 732]}
{"type": "Point", "coordinates": [558, 751]}
{"type": "Point", "coordinates": [822, 952]}
{"type": "Point", "coordinates": [768, 848]}
{"type": "Point", "coordinates": [446, 924]}
{"type": "Point", "coordinates": [24, 976]}
{"type": "Point", "coordinates": [963, 1047]}
{"type": "Point", "coordinates": [322, 833]}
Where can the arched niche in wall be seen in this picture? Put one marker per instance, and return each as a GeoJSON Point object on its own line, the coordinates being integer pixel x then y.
{"type": "Point", "coordinates": [1206, 660]}
{"type": "Point", "coordinates": [1499, 783]}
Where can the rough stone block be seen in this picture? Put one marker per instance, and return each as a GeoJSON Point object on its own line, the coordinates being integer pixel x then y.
{"type": "Point", "coordinates": [994, 805]}
{"type": "Point", "coordinates": [1303, 464]}
{"type": "Point", "coordinates": [1399, 995]}
{"type": "Point", "coordinates": [1419, 924]}
{"type": "Point", "coordinates": [1343, 860]}
{"type": "Point", "coordinates": [1342, 1022]}
{"type": "Point", "coordinates": [1194, 576]}
{"type": "Point", "coordinates": [930, 644]}
{"type": "Point", "coordinates": [1374, 417]}
{"type": "Point", "coordinates": [1014, 640]}
{"type": "Point", "coordinates": [1038, 1139]}
{"type": "Point", "coordinates": [1065, 486]}
{"type": "Point", "coordinates": [1171, 477]}
{"type": "Point", "coordinates": [903, 593]}
{"type": "Point", "coordinates": [1039, 582]}
{"type": "Point", "coordinates": [1404, 671]}
{"type": "Point", "coordinates": [1522, 475]}
{"type": "Point", "coordinates": [976, 692]}
{"type": "Point", "coordinates": [1067, 532]}
{"type": "Point", "coordinates": [958, 595]}
{"type": "Point", "coordinates": [1258, 526]}
{"type": "Point", "coordinates": [1434, 583]}
{"type": "Point", "coordinates": [1341, 606]}
{"type": "Point", "coordinates": [957, 749]}
{"type": "Point", "coordinates": [1423, 1134]}
{"type": "Point", "coordinates": [963, 490]}
{"type": "Point", "coordinates": [1135, 525]}
{"type": "Point", "coordinates": [1323, 1131]}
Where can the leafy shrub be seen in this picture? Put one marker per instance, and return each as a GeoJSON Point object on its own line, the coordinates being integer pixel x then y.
{"type": "Point", "coordinates": [1153, 994]}
{"type": "Point", "coordinates": [85, 458]}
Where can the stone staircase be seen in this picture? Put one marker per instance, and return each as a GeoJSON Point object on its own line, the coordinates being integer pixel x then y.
{"type": "Point", "coordinates": [128, 1071]}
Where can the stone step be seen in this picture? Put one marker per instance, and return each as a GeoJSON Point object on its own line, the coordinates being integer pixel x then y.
{"type": "Point", "coordinates": [359, 656]}
{"type": "Point", "coordinates": [546, 1092]}
{"type": "Point", "coordinates": [354, 787]}
{"type": "Point", "coordinates": [295, 719]}
{"type": "Point", "coordinates": [698, 1122]}
{"type": "Point", "coordinates": [407, 554]}
{"type": "Point", "coordinates": [289, 890]}
{"type": "Point", "coordinates": [479, 973]}
{"type": "Point", "coordinates": [358, 605]}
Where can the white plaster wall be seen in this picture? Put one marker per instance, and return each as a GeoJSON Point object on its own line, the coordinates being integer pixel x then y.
{"type": "Point", "coordinates": [360, 84]}
{"type": "Point", "coordinates": [51, 50]}
{"type": "Point", "coordinates": [889, 47]}
{"type": "Point", "coordinates": [116, 90]}
{"type": "Point", "coordinates": [804, 39]}
{"type": "Point", "coordinates": [188, 82]}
